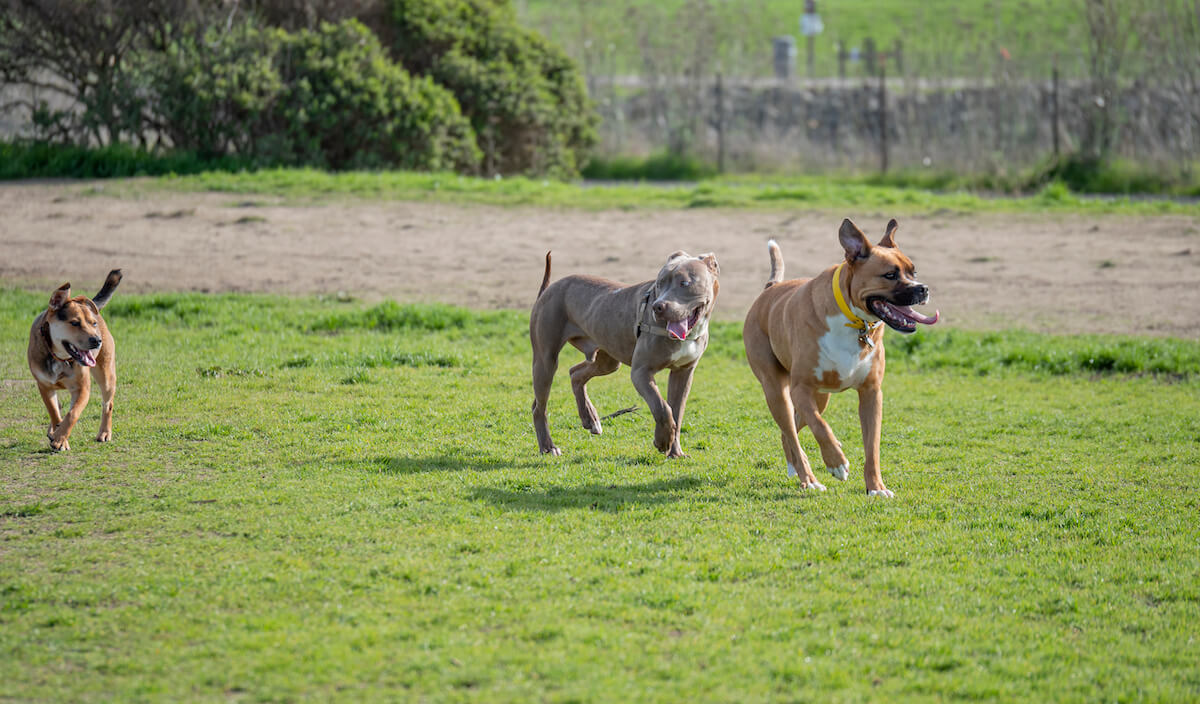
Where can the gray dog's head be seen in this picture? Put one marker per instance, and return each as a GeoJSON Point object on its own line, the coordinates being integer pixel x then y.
{"type": "Point", "coordinates": [686, 291]}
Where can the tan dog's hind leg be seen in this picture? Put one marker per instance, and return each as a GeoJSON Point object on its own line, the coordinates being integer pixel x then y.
{"type": "Point", "coordinates": [107, 380]}
{"type": "Point", "coordinates": [807, 409]}
{"type": "Point", "coordinates": [597, 362]}
{"type": "Point", "coordinates": [79, 400]}
{"type": "Point", "coordinates": [778, 397]}
{"type": "Point", "coordinates": [679, 383]}
{"type": "Point", "coordinates": [665, 429]}
{"type": "Point", "coordinates": [870, 415]}
{"type": "Point", "coordinates": [50, 398]}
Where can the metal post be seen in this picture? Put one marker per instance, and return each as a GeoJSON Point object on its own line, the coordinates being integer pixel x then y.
{"type": "Point", "coordinates": [1054, 107]}
{"type": "Point", "coordinates": [883, 129]}
{"type": "Point", "coordinates": [720, 125]}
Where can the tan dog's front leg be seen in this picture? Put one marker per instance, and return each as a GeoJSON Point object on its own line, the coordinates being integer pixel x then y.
{"type": "Point", "coordinates": [79, 400]}
{"type": "Point", "coordinates": [679, 384]}
{"type": "Point", "coordinates": [50, 398]}
{"type": "Point", "coordinates": [805, 401]}
{"type": "Point", "coordinates": [108, 389]}
{"type": "Point", "coordinates": [664, 423]}
{"type": "Point", "coordinates": [870, 416]}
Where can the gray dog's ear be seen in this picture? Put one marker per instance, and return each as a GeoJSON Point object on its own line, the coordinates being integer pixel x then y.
{"type": "Point", "coordinates": [853, 241]}
{"type": "Point", "coordinates": [889, 235]}
{"type": "Point", "coordinates": [61, 295]}
{"type": "Point", "coordinates": [675, 255]}
{"type": "Point", "coordinates": [710, 260]}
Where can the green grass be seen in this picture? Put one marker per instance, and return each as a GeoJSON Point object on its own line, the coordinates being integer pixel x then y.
{"type": "Point", "coordinates": [759, 192]}
{"type": "Point", "coordinates": [296, 505]}
{"type": "Point", "coordinates": [965, 36]}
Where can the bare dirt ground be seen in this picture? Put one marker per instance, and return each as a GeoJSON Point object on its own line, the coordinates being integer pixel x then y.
{"type": "Point", "coordinates": [1059, 273]}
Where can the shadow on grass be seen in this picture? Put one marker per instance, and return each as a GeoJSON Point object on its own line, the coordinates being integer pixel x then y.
{"type": "Point", "coordinates": [598, 497]}
{"type": "Point", "coordinates": [452, 461]}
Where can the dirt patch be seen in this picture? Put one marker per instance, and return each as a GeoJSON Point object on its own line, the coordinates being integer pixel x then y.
{"type": "Point", "coordinates": [1059, 273]}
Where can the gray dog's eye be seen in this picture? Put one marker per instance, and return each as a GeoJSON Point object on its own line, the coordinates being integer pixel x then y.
{"type": "Point", "coordinates": [685, 282]}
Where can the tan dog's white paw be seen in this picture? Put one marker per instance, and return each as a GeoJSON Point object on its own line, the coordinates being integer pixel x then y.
{"type": "Point", "coordinates": [841, 472]}
{"type": "Point", "coordinates": [885, 493]}
{"type": "Point", "coordinates": [812, 485]}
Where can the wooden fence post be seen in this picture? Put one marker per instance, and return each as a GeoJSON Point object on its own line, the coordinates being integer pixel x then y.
{"type": "Point", "coordinates": [883, 125]}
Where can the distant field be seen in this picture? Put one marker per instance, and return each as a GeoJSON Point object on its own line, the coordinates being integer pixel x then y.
{"type": "Point", "coordinates": [937, 32]}
{"type": "Point", "coordinates": [319, 499]}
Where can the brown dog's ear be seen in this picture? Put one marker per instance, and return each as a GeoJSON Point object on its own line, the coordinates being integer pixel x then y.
{"type": "Point", "coordinates": [91, 304]}
{"type": "Point", "coordinates": [889, 235]}
{"type": "Point", "coordinates": [61, 295]}
{"type": "Point", "coordinates": [853, 241]}
{"type": "Point", "coordinates": [710, 260]}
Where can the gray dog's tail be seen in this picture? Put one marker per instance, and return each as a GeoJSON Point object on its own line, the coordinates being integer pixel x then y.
{"type": "Point", "coordinates": [776, 263]}
{"type": "Point", "coordinates": [545, 277]}
{"type": "Point", "coordinates": [106, 291]}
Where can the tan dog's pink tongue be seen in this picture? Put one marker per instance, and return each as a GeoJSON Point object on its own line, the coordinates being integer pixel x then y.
{"type": "Point", "coordinates": [89, 358]}
{"type": "Point", "coordinates": [678, 329]}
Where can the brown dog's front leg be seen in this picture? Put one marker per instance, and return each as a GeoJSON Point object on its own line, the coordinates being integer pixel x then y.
{"type": "Point", "coordinates": [679, 384]}
{"type": "Point", "coordinates": [664, 423]}
{"type": "Point", "coordinates": [79, 400]}
{"type": "Point", "coordinates": [870, 415]}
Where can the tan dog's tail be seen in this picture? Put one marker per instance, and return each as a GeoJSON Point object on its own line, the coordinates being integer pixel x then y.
{"type": "Point", "coordinates": [545, 277]}
{"type": "Point", "coordinates": [106, 291]}
{"type": "Point", "coordinates": [776, 263]}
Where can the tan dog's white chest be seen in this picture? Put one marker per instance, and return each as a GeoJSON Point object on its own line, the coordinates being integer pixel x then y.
{"type": "Point", "coordinates": [53, 371]}
{"type": "Point", "coordinates": [839, 351]}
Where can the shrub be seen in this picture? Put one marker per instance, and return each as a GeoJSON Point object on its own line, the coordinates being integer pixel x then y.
{"type": "Point", "coordinates": [329, 97]}
{"type": "Point", "coordinates": [523, 95]}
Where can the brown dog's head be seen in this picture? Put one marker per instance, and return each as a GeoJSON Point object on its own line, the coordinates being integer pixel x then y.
{"type": "Point", "coordinates": [882, 280]}
{"type": "Point", "coordinates": [686, 290]}
{"type": "Point", "coordinates": [73, 326]}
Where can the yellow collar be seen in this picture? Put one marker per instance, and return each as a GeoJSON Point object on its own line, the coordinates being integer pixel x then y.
{"type": "Point", "coordinates": [855, 322]}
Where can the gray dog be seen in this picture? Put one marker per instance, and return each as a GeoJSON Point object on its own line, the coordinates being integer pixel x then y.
{"type": "Point", "coordinates": [651, 326]}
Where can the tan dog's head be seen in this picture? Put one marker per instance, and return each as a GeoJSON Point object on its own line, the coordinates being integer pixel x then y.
{"type": "Point", "coordinates": [686, 290]}
{"type": "Point", "coordinates": [882, 280]}
{"type": "Point", "coordinates": [74, 327]}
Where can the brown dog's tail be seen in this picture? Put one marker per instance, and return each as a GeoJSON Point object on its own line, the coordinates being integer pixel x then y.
{"type": "Point", "coordinates": [106, 291]}
{"type": "Point", "coordinates": [545, 277]}
{"type": "Point", "coordinates": [776, 263]}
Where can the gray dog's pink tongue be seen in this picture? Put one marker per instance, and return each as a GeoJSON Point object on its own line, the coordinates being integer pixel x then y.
{"type": "Point", "coordinates": [678, 329]}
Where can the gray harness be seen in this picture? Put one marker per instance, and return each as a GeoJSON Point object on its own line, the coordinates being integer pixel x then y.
{"type": "Point", "coordinates": [659, 330]}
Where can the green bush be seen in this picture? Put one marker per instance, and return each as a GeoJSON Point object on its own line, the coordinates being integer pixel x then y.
{"type": "Point", "coordinates": [329, 98]}
{"type": "Point", "coordinates": [523, 95]}
{"type": "Point", "coordinates": [659, 167]}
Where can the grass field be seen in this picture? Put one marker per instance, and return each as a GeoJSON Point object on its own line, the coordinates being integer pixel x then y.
{"type": "Point", "coordinates": [760, 192]}
{"type": "Point", "coordinates": [317, 498]}
{"type": "Point", "coordinates": [953, 37]}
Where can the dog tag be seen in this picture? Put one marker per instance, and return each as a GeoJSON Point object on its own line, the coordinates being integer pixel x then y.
{"type": "Point", "coordinates": [866, 338]}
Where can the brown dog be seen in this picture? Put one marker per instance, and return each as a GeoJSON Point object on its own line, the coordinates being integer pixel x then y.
{"type": "Point", "coordinates": [651, 326]}
{"type": "Point", "coordinates": [807, 338]}
{"type": "Point", "coordinates": [69, 344]}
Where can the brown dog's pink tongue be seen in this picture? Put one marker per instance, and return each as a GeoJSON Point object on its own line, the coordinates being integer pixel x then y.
{"type": "Point", "coordinates": [678, 329]}
{"type": "Point", "coordinates": [88, 358]}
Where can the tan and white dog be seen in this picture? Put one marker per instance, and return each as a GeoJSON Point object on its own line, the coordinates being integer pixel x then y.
{"type": "Point", "coordinates": [808, 338]}
{"type": "Point", "coordinates": [651, 326]}
{"type": "Point", "coordinates": [69, 345]}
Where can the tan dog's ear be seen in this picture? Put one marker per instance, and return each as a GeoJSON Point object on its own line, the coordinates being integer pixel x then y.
{"type": "Point", "coordinates": [91, 304]}
{"type": "Point", "coordinates": [710, 260]}
{"type": "Point", "coordinates": [889, 235]}
{"type": "Point", "coordinates": [853, 241]}
{"type": "Point", "coordinates": [61, 295]}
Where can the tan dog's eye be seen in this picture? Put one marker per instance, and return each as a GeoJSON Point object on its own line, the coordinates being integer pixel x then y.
{"type": "Point", "coordinates": [75, 323]}
{"type": "Point", "coordinates": [892, 275]}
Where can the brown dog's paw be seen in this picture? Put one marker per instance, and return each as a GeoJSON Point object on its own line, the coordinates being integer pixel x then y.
{"type": "Point", "coordinates": [104, 436]}
{"type": "Point", "coordinates": [59, 445]}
